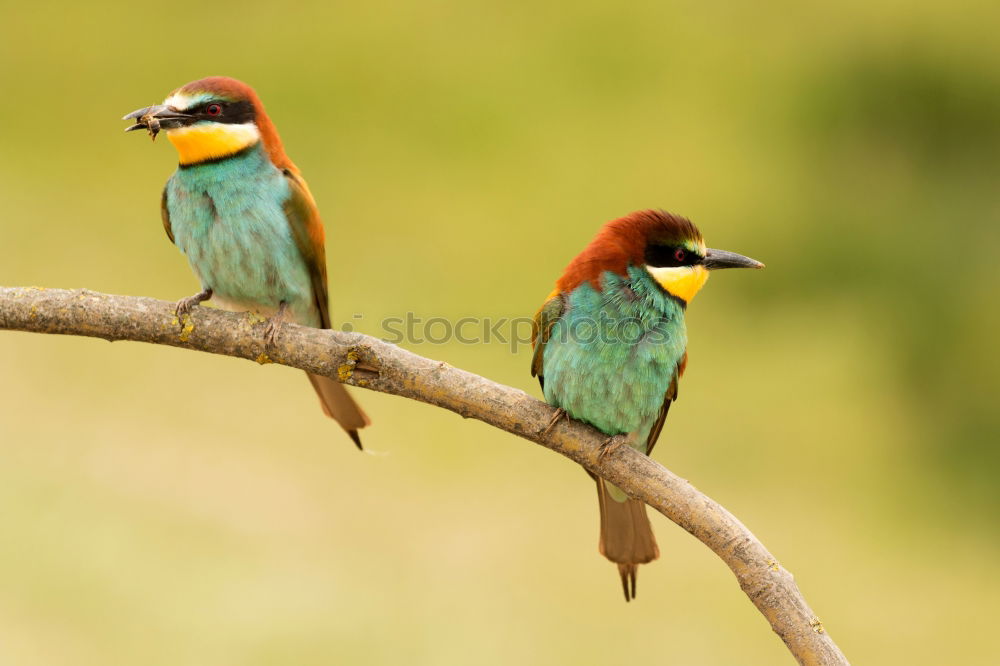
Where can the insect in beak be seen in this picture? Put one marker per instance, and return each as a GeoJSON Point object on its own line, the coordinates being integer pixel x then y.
{"type": "Point", "coordinates": [154, 118]}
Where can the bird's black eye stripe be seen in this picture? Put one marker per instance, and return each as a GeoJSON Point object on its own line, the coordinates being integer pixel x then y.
{"type": "Point", "coordinates": [664, 256]}
{"type": "Point", "coordinates": [232, 112]}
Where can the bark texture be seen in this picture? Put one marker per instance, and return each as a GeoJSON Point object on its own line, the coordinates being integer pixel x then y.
{"type": "Point", "coordinates": [366, 362]}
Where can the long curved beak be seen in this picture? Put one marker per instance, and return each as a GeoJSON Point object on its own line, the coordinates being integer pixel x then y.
{"type": "Point", "coordinates": [716, 259]}
{"type": "Point", "coordinates": [157, 117]}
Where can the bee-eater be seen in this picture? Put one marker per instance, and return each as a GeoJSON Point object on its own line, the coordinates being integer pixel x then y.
{"type": "Point", "coordinates": [610, 344]}
{"type": "Point", "coordinates": [240, 210]}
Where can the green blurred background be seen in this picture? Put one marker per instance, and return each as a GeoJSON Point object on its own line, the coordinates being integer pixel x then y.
{"type": "Point", "coordinates": [164, 507]}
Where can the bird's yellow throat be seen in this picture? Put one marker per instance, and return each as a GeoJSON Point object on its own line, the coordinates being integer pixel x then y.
{"type": "Point", "coordinates": [681, 281]}
{"type": "Point", "coordinates": [209, 141]}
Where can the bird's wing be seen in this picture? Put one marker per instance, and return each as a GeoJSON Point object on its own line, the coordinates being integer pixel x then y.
{"type": "Point", "coordinates": [671, 395]}
{"type": "Point", "coordinates": [541, 329]}
{"type": "Point", "coordinates": [307, 230]}
{"type": "Point", "coordinates": [165, 215]}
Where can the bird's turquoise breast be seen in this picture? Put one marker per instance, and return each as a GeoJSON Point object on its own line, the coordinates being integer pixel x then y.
{"type": "Point", "coordinates": [612, 355]}
{"type": "Point", "coordinates": [228, 218]}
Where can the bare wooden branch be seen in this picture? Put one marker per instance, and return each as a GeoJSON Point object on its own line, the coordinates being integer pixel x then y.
{"type": "Point", "coordinates": [364, 361]}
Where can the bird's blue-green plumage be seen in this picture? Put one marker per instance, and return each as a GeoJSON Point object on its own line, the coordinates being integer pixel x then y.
{"type": "Point", "coordinates": [229, 218]}
{"type": "Point", "coordinates": [613, 354]}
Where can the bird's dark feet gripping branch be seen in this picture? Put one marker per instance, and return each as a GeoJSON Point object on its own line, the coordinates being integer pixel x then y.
{"type": "Point", "coordinates": [274, 324]}
{"type": "Point", "coordinates": [557, 416]}
{"type": "Point", "coordinates": [610, 445]}
{"type": "Point", "coordinates": [185, 305]}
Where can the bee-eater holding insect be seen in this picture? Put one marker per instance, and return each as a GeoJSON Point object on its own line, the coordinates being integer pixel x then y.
{"type": "Point", "coordinates": [240, 210]}
{"type": "Point", "coordinates": [610, 345]}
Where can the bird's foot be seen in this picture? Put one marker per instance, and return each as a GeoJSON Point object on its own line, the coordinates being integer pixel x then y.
{"type": "Point", "coordinates": [610, 445]}
{"type": "Point", "coordinates": [185, 305]}
{"type": "Point", "coordinates": [274, 324]}
{"type": "Point", "coordinates": [559, 414]}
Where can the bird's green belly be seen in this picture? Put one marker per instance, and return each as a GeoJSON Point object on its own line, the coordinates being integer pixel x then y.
{"type": "Point", "coordinates": [229, 221]}
{"type": "Point", "coordinates": [612, 356]}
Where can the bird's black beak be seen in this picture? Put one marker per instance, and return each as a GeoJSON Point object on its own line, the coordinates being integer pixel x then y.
{"type": "Point", "coordinates": [155, 118]}
{"type": "Point", "coordinates": [716, 259]}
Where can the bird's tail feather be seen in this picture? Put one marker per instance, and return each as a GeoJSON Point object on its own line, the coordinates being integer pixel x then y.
{"type": "Point", "coordinates": [626, 536]}
{"type": "Point", "coordinates": [338, 404]}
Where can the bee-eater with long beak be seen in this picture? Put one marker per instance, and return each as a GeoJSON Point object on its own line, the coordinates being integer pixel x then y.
{"type": "Point", "coordinates": [610, 344]}
{"type": "Point", "coordinates": [240, 210]}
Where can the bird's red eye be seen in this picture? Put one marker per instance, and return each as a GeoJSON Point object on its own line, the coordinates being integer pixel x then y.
{"type": "Point", "coordinates": [213, 109]}
{"type": "Point", "coordinates": [680, 255]}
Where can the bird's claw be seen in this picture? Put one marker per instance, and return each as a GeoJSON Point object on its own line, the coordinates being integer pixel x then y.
{"type": "Point", "coordinates": [185, 305]}
{"type": "Point", "coordinates": [610, 445]}
{"type": "Point", "coordinates": [274, 324]}
{"type": "Point", "coordinates": [556, 417]}
{"type": "Point", "coordinates": [270, 331]}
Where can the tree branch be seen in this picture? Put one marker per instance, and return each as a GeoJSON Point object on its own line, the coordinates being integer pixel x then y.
{"type": "Point", "coordinates": [364, 361]}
